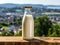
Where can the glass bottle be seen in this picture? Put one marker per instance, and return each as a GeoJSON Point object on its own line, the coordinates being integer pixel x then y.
{"type": "Point", "coordinates": [28, 24]}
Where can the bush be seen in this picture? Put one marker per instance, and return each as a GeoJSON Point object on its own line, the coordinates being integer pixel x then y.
{"type": "Point", "coordinates": [54, 31]}
{"type": "Point", "coordinates": [53, 35]}
{"type": "Point", "coordinates": [4, 24]}
{"type": "Point", "coordinates": [19, 34]}
{"type": "Point", "coordinates": [7, 34]}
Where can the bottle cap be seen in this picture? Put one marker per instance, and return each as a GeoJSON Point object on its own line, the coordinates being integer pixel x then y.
{"type": "Point", "coordinates": [28, 6]}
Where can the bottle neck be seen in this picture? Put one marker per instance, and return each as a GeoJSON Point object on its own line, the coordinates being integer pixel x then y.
{"type": "Point", "coordinates": [27, 11]}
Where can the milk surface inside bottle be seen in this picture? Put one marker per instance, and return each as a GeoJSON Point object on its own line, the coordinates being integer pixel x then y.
{"type": "Point", "coordinates": [28, 24]}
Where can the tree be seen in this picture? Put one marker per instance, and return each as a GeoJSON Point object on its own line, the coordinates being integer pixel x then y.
{"type": "Point", "coordinates": [54, 31]}
{"type": "Point", "coordinates": [42, 25]}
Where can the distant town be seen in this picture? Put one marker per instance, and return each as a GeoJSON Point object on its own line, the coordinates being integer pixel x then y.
{"type": "Point", "coordinates": [9, 12]}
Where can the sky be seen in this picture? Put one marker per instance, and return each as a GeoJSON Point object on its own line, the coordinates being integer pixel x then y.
{"type": "Point", "coordinates": [45, 2]}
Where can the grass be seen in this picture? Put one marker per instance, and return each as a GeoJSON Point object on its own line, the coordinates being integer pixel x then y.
{"type": "Point", "coordinates": [6, 27]}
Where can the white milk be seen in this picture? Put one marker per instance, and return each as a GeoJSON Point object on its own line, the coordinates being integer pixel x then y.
{"type": "Point", "coordinates": [28, 27]}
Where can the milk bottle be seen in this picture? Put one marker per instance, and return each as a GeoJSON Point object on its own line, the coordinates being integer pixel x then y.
{"type": "Point", "coordinates": [28, 24]}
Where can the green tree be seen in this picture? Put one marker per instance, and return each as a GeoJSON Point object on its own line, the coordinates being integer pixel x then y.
{"type": "Point", "coordinates": [42, 25]}
{"type": "Point", "coordinates": [54, 31]}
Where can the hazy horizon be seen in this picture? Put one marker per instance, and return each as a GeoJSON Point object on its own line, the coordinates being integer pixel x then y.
{"type": "Point", "coordinates": [44, 2]}
{"type": "Point", "coordinates": [17, 3]}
